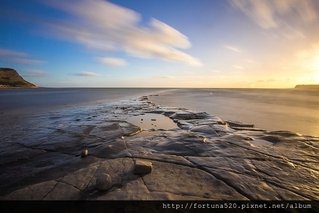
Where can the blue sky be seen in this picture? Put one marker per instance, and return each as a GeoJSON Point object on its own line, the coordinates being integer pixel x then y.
{"type": "Point", "coordinates": [148, 43]}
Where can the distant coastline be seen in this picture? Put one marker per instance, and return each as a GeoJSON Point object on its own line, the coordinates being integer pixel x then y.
{"type": "Point", "coordinates": [307, 86]}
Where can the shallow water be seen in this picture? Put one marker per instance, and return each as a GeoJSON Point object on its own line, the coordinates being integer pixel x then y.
{"type": "Point", "coordinates": [271, 109]}
{"type": "Point", "coordinates": [152, 121]}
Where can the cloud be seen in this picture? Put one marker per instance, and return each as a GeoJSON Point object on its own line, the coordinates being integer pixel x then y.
{"type": "Point", "coordinates": [238, 67]}
{"type": "Point", "coordinates": [260, 11]}
{"type": "Point", "coordinates": [272, 13]}
{"type": "Point", "coordinates": [106, 26]}
{"type": "Point", "coordinates": [216, 71]}
{"type": "Point", "coordinates": [18, 57]}
{"type": "Point", "coordinates": [231, 48]}
{"type": "Point", "coordinates": [35, 73]}
{"type": "Point", "coordinates": [166, 77]}
{"type": "Point", "coordinates": [251, 61]}
{"type": "Point", "coordinates": [87, 74]}
{"type": "Point", "coordinates": [289, 17]}
{"type": "Point", "coordinates": [115, 62]}
{"type": "Point", "coordinates": [270, 80]}
{"type": "Point", "coordinates": [291, 33]}
{"type": "Point", "coordinates": [11, 53]}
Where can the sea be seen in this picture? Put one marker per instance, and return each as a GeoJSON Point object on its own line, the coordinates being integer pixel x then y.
{"type": "Point", "coordinates": [41, 100]}
{"type": "Point", "coordinates": [271, 109]}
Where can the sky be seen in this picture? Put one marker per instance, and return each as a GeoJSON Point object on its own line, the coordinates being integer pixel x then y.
{"type": "Point", "coordinates": [167, 43]}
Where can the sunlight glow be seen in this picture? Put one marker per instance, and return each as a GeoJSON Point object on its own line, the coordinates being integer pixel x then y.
{"type": "Point", "coordinates": [315, 67]}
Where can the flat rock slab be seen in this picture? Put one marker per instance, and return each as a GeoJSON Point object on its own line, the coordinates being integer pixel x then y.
{"type": "Point", "coordinates": [202, 157]}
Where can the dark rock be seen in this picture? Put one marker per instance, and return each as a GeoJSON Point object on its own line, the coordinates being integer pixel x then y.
{"type": "Point", "coordinates": [144, 98]}
{"type": "Point", "coordinates": [272, 138]}
{"type": "Point", "coordinates": [248, 129]}
{"type": "Point", "coordinates": [84, 153]}
{"type": "Point", "coordinates": [189, 115]}
{"type": "Point", "coordinates": [103, 182]}
{"type": "Point", "coordinates": [239, 124]}
{"type": "Point", "coordinates": [204, 129]}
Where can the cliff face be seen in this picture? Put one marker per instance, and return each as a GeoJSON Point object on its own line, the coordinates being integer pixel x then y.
{"type": "Point", "coordinates": [10, 78]}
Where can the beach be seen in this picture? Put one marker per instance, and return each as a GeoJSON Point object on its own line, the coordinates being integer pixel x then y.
{"type": "Point", "coordinates": [132, 148]}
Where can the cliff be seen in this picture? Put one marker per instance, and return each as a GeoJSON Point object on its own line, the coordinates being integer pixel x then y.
{"type": "Point", "coordinates": [9, 78]}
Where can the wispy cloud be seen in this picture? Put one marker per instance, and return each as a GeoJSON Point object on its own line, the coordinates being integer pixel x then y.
{"type": "Point", "coordinates": [87, 74]}
{"type": "Point", "coordinates": [270, 80]}
{"type": "Point", "coordinates": [167, 77]}
{"type": "Point", "coordinates": [290, 33]}
{"type": "Point", "coordinates": [216, 71]}
{"type": "Point", "coordinates": [238, 67]}
{"type": "Point", "coordinates": [106, 26]}
{"type": "Point", "coordinates": [288, 16]}
{"type": "Point", "coordinates": [271, 13]}
{"type": "Point", "coordinates": [115, 62]}
{"type": "Point", "coordinates": [35, 73]}
{"type": "Point", "coordinates": [18, 57]}
{"type": "Point", "coordinates": [251, 61]}
{"type": "Point", "coordinates": [232, 48]}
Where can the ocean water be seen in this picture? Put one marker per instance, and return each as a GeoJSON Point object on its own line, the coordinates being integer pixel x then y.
{"type": "Point", "coordinates": [271, 109]}
{"type": "Point", "coordinates": [41, 100]}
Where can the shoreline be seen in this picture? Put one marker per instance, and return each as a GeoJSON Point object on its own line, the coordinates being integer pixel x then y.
{"type": "Point", "coordinates": [202, 157]}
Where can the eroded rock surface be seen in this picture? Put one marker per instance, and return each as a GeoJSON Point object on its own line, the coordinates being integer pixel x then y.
{"type": "Point", "coordinates": [203, 158]}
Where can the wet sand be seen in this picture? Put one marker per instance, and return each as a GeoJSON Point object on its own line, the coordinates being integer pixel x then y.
{"type": "Point", "coordinates": [198, 156]}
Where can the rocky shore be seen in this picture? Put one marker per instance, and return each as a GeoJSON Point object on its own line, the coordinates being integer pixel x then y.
{"type": "Point", "coordinates": [135, 150]}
